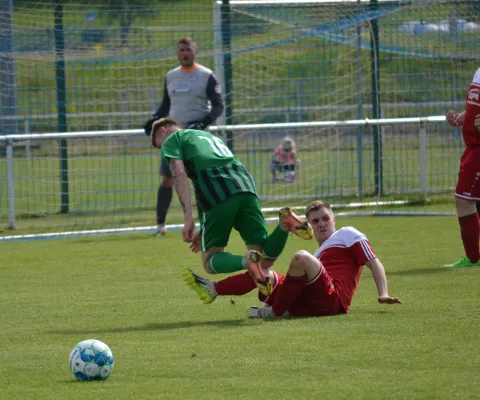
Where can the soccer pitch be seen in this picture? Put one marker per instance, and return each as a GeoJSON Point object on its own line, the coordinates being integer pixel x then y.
{"type": "Point", "coordinates": [128, 292]}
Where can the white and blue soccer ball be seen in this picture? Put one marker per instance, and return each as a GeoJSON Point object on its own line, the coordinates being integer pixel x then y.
{"type": "Point", "coordinates": [91, 360]}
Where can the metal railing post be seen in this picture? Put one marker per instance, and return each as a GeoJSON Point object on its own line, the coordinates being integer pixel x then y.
{"type": "Point", "coordinates": [10, 186]}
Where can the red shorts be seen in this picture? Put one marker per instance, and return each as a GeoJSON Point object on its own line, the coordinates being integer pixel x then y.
{"type": "Point", "coordinates": [468, 184]}
{"type": "Point", "coordinates": [318, 298]}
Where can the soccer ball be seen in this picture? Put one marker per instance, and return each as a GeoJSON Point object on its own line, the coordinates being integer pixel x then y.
{"type": "Point", "coordinates": [91, 360]}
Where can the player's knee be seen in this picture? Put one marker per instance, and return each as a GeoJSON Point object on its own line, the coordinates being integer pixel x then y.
{"type": "Point", "coordinates": [299, 260]}
{"type": "Point", "coordinates": [207, 269]}
{"type": "Point", "coordinates": [465, 206]}
{"type": "Point", "coordinates": [166, 181]}
{"type": "Point", "coordinates": [206, 263]}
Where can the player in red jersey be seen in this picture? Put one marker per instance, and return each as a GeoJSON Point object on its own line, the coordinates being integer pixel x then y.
{"type": "Point", "coordinates": [467, 192]}
{"type": "Point", "coordinates": [315, 285]}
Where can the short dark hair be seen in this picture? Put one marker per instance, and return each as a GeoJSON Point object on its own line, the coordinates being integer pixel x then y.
{"type": "Point", "coordinates": [188, 41]}
{"type": "Point", "coordinates": [317, 205]}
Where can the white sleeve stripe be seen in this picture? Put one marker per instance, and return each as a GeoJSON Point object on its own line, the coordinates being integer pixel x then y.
{"type": "Point", "coordinates": [367, 250]}
{"type": "Point", "coordinates": [473, 103]}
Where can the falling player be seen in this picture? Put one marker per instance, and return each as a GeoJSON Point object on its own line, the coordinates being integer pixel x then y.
{"type": "Point", "coordinates": [226, 198]}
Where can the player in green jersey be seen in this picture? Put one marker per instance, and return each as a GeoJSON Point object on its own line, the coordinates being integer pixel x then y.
{"type": "Point", "coordinates": [226, 198]}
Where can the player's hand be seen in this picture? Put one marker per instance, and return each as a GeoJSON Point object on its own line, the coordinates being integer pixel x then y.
{"type": "Point", "coordinates": [148, 125]}
{"type": "Point", "coordinates": [188, 229]}
{"type": "Point", "coordinates": [389, 300]}
{"type": "Point", "coordinates": [455, 119]}
{"type": "Point", "coordinates": [195, 244]}
{"type": "Point", "coordinates": [451, 117]}
{"type": "Point", "coordinates": [476, 122]}
{"type": "Point", "coordinates": [198, 125]}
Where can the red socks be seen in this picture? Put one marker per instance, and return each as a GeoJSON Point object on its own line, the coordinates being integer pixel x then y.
{"type": "Point", "coordinates": [235, 285]}
{"type": "Point", "coordinates": [470, 232]}
{"type": "Point", "coordinates": [289, 291]}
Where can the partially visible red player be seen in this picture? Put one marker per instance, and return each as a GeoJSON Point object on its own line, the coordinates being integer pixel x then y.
{"type": "Point", "coordinates": [467, 192]}
{"type": "Point", "coordinates": [315, 285]}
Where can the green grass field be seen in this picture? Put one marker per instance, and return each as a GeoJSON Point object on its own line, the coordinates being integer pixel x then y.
{"type": "Point", "coordinates": [128, 292]}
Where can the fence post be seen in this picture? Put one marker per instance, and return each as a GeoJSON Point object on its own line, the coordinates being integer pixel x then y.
{"type": "Point", "coordinates": [377, 132]}
{"type": "Point", "coordinates": [359, 108]}
{"type": "Point", "coordinates": [219, 61]}
{"type": "Point", "coordinates": [10, 186]}
{"type": "Point", "coordinates": [28, 144]}
{"type": "Point", "coordinates": [61, 105]}
{"type": "Point", "coordinates": [423, 160]}
{"type": "Point", "coordinates": [227, 62]}
{"type": "Point", "coordinates": [8, 91]}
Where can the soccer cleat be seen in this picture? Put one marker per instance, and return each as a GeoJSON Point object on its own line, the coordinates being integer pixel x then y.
{"type": "Point", "coordinates": [204, 288]}
{"type": "Point", "coordinates": [251, 261]}
{"type": "Point", "coordinates": [160, 231]}
{"type": "Point", "coordinates": [463, 262]}
{"type": "Point", "coordinates": [261, 312]}
{"type": "Point", "coordinates": [295, 224]}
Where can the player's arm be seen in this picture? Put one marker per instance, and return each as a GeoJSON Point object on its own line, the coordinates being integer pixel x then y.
{"type": "Point", "coordinates": [162, 111]}
{"type": "Point", "coordinates": [380, 278]}
{"type": "Point", "coordinates": [182, 187]}
{"type": "Point", "coordinates": [455, 119]}
{"type": "Point", "coordinates": [215, 96]}
{"type": "Point", "coordinates": [164, 108]}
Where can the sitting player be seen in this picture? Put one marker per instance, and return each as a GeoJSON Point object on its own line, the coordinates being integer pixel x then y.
{"type": "Point", "coordinates": [284, 160]}
{"type": "Point", "coordinates": [315, 285]}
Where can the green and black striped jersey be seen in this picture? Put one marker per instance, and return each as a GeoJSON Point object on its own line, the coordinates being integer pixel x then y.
{"type": "Point", "coordinates": [215, 172]}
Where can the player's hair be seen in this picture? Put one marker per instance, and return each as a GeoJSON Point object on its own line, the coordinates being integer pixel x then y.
{"type": "Point", "coordinates": [188, 41]}
{"type": "Point", "coordinates": [317, 205]}
{"type": "Point", "coordinates": [158, 124]}
{"type": "Point", "coordinates": [293, 145]}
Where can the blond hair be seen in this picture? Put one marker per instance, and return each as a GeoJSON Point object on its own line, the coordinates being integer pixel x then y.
{"type": "Point", "coordinates": [160, 123]}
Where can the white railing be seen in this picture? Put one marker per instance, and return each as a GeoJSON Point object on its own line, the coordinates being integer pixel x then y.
{"type": "Point", "coordinates": [422, 122]}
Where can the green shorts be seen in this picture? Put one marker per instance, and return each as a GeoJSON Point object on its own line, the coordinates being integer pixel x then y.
{"type": "Point", "coordinates": [242, 212]}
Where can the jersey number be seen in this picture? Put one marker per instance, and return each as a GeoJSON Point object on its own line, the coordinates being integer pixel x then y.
{"type": "Point", "coordinates": [218, 146]}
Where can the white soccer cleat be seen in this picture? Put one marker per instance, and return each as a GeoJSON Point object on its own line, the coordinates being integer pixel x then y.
{"type": "Point", "coordinates": [261, 312]}
{"type": "Point", "coordinates": [203, 287]}
{"type": "Point", "coordinates": [160, 231]}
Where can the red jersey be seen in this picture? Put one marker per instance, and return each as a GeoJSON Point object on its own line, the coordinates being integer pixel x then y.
{"type": "Point", "coordinates": [471, 135]}
{"type": "Point", "coordinates": [343, 255]}
{"type": "Point", "coordinates": [284, 157]}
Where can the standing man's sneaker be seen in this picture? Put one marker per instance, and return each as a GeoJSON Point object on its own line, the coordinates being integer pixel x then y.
{"type": "Point", "coordinates": [463, 262]}
{"type": "Point", "coordinates": [204, 288]}
{"type": "Point", "coordinates": [291, 221]}
{"type": "Point", "coordinates": [251, 262]}
{"type": "Point", "coordinates": [160, 231]}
